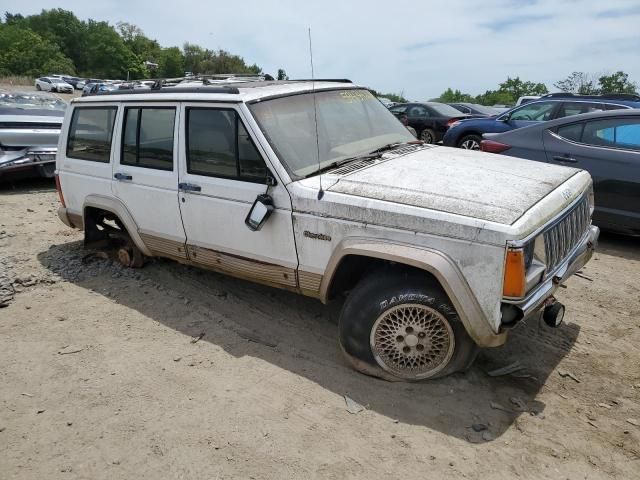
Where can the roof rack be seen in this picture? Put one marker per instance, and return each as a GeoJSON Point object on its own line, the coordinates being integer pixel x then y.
{"type": "Point", "coordinates": [215, 83]}
{"type": "Point", "coordinates": [170, 89]}
{"type": "Point", "coordinates": [606, 96]}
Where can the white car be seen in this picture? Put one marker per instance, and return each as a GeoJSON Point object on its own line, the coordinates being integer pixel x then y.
{"type": "Point", "coordinates": [53, 84]}
{"type": "Point", "coordinates": [316, 188]}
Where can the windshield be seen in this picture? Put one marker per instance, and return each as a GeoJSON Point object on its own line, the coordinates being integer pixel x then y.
{"type": "Point", "coordinates": [31, 101]}
{"type": "Point", "coordinates": [350, 123]}
{"type": "Point", "coordinates": [444, 110]}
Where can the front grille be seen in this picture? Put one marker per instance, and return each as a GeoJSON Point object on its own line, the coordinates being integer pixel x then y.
{"type": "Point", "coordinates": [563, 237]}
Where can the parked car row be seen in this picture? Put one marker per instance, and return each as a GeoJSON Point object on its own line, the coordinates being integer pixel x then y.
{"type": "Point", "coordinates": [606, 144]}
{"type": "Point", "coordinates": [468, 133]}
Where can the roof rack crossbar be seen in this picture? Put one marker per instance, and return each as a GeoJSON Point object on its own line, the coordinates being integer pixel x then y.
{"type": "Point", "coordinates": [604, 96]}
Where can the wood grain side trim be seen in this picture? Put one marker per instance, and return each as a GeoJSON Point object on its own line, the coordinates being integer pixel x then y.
{"type": "Point", "coordinates": [243, 267]}
{"type": "Point", "coordinates": [309, 283]}
{"type": "Point", "coordinates": [164, 247]}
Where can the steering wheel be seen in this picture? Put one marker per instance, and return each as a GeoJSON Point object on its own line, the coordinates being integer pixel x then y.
{"type": "Point", "coordinates": [525, 117]}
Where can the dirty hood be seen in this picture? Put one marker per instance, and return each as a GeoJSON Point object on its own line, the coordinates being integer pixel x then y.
{"type": "Point", "coordinates": [495, 188]}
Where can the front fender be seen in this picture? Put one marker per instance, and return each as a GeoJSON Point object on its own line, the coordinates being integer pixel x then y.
{"type": "Point", "coordinates": [433, 261]}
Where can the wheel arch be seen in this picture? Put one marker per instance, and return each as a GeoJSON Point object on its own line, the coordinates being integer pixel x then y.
{"type": "Point", "coordinates": [117, 208]}
{"type": "Point", "coordinates": [435, 263]}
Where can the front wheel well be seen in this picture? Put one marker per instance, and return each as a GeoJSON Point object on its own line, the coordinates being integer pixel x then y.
{"type": "Point", "coordinates": [353, 268]}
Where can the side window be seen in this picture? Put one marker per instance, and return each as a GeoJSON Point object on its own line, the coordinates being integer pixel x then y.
{"type": "Point", "coordinates": [615, 132]}
{"type": "Point", "coordinates": [571, 132]}
{"type": "Point", "coordinates": [417, 111]}
{"type": "Point", "coordinates": [539, 111]}
{"type": "Point", "coordinates": [569, 109]}
{"type": "Point", "coordinates": [90, 133]}
{"type": "Point", "coordinates": [147, 140]}
{"type": "Point", "coordinates": [463, 108]}
{"type": "Point", "coordinates": [218, 145]}
{"type": "Point", "coordinates": [613, 106]}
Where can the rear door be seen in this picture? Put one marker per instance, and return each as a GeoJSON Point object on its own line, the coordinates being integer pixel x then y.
{"type": "Point", "coordinates": [609, 149]}
{"type": "Point", "coordinates": [145, 175]}
{"type": "Point", "coordinates": [222, 173]}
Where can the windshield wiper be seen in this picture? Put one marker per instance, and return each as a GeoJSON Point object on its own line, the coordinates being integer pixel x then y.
{"type": "Point", "coordinates": [391, 146]}
{"type": "Point", "coordinates": [342, 162]}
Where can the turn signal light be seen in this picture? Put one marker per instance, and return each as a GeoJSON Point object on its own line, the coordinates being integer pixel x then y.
{"type": "Point", "coordinates": [514, 274]}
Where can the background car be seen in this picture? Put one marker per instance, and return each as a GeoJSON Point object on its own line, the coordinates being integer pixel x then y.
{"type": "Point", "coordinates": [93, 88]}
{"type": "Point", "coordinates": [526, 99]}
{"type": "Point", "coordinates": [429, 119]}
{"type": "Point", "coordinates": [606, 144]}
{"type": "Point", "coordinates": [53, 84]}
{"type": "Point", "coordinates": [468, 133]}
{"type": "Point", "coordinates": [476, 109]}
{"type": "Point", "coordinates": [29, 128]}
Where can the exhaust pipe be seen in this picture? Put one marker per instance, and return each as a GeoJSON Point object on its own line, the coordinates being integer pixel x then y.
{"type": "Point", "coordinates": [553, 312]}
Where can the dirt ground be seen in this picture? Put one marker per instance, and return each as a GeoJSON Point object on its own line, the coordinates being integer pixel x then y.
{"type": "Point", "coordinates": [100, 376]}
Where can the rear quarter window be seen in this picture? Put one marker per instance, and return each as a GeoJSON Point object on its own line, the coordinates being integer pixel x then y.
{"type": "Point", "coordinates": [90, 133]}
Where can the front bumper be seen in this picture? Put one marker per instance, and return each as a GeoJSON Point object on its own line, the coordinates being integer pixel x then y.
{"type": "Point", "coordinates": [577, 259]}
{"type": "Point", "coordinates": [30, 160]}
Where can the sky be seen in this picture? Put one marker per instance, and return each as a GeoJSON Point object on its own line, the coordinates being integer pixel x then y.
{"type": "Point", "coordinates": [415, 48]}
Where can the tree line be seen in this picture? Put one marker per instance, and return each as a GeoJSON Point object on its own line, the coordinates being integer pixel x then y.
{"type": "Point", "coordinates": [511, 89]}
{"type": "Point", "coordinates": [56, 41]}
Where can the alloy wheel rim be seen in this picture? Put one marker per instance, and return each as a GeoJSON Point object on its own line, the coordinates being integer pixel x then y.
{"type": "Point", "coordinates": [470, 145]}
{"type": "Point", "coordinates": [412, 341]}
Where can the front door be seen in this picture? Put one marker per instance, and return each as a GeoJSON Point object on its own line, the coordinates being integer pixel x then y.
{"type": "Point", "coordinates": [222, 171]}
{"type": "Point", "coordinates": [146, 174]}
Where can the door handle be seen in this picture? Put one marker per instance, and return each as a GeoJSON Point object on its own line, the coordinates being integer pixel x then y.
{"type": "Point", "coordinates": [565, 158]}
{"type": "Point", "coordinates": [122, 176]}
{"type": "Point", "coordinates": [189, 187]}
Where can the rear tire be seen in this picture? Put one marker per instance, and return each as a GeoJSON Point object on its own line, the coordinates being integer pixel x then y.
{"type": "Point", "coordinates": [398, 324]}
{"type": "Point", "coordinates": [428, 136]}
{"type": "Point", "coordinates": [470, 142]}
{"type": "Point", "coordinates": [38, 87]}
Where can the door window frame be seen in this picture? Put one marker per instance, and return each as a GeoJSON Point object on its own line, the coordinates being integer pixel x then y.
{"type": "Point", "coordinates": [238, 120]}
{"type": "Point", "coordinates": [123, 125]}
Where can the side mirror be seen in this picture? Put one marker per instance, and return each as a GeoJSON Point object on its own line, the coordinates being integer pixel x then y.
{"type": "Point", "coordinates": [260, 211]}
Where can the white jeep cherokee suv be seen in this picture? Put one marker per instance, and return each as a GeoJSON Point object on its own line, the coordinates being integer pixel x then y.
{"type": "Point", "coordinates": [316, 188]}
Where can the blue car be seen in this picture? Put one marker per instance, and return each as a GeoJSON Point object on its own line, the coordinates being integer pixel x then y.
{"type": "Point", "coordinates": [468, 133]}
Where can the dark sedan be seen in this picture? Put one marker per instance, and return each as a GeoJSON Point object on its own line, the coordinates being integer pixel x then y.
{"type": "Point", "coordinates": [476, 109]}
{"type": "Point", "coordinates": [606, 144]}
{"type": "Point", "coordinates": [429, 119]}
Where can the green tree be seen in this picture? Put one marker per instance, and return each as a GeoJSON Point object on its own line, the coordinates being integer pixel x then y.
{"type": "Point", "coordinates": [62, 28]}
{"type": "Point", "coordinates": [517, 88]}
{"type": "Point", "coordinates": [617, 82]}
{"type": "Point", "coordinates": [107, 54]}
{"type": "Point", "coordinates": [495, 97]}
{"type": "Point", "coordinates": [578, 82]}
{"type": "Point", "coordinates": [282, 75]}
{"type": "Point", "coordinates": [142, 46]}
{"type": "Point", "coordinates": [24, 52]}
{"type": "Point", "coordinates": [450, 96]}
{"type": "Point", "coordinates": [171, 63]}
